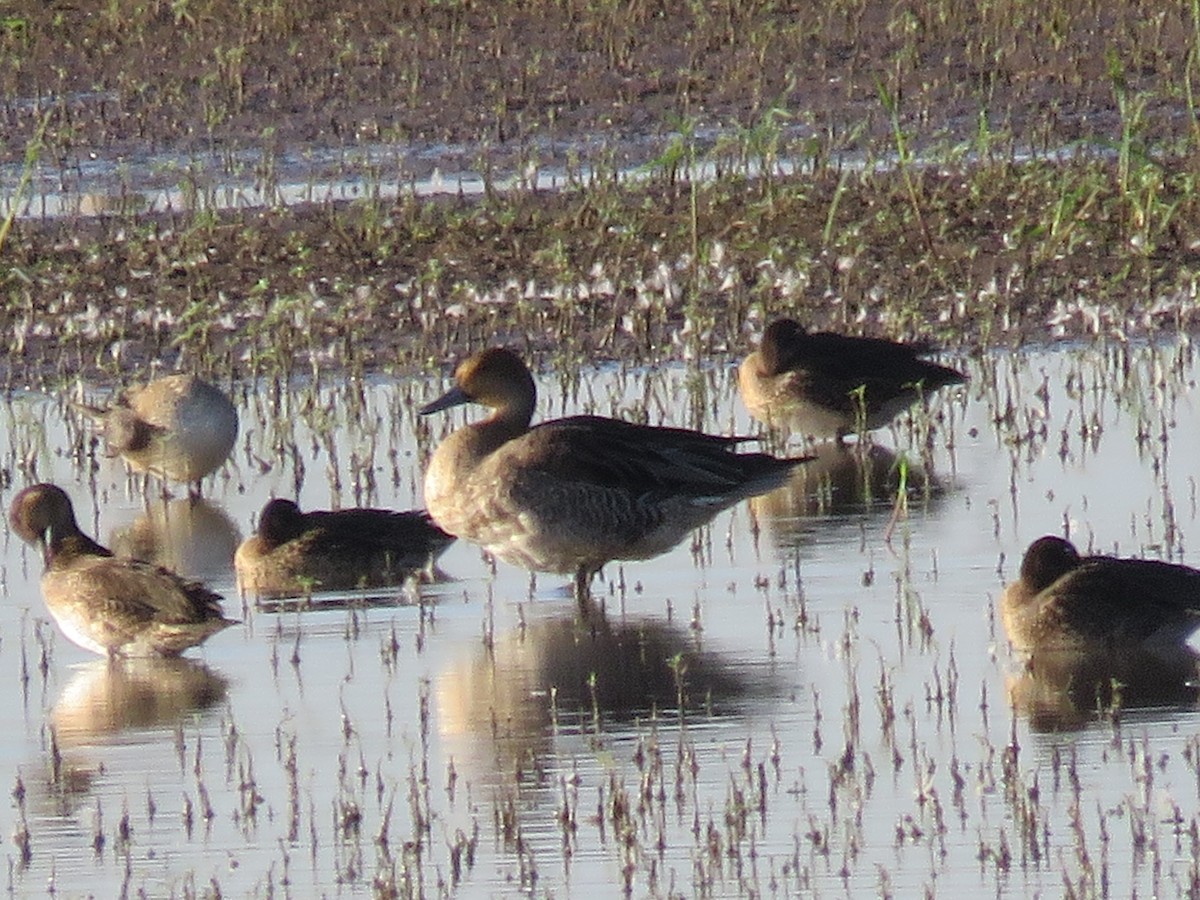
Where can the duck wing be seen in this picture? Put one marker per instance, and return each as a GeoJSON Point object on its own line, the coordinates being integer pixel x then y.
{"type": "Point", "coordinates": [871, 361]}
{"type": "Point", "coordinates": [644, 460]}
{"type": "Point", "coordinates": [1126, 601]}
{"type": "Point", "coordinates": [373, 531]}
{"type": "Point", "coordinates": [138, 593]}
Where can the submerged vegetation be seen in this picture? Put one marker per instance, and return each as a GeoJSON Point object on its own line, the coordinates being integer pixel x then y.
{"type": "Point", "coordinates": [814, 697]}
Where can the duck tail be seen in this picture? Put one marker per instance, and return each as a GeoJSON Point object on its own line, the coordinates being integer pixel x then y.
{"type": "Point", "coordinates": [769, 472]}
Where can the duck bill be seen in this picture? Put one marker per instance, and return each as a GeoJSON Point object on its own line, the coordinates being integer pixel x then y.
{"type": "Point", "coordinates": [456, 396]}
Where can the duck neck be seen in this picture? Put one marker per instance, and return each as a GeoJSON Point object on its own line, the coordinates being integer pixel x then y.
{"type": "Point", "coordinates": [506, 423]}
{"type": "Point", "coordinates": [768, 361]}
{"type": "Point", "coordinates": [462, 453]}
{"type": "Point", "coordinates": [67, 541]}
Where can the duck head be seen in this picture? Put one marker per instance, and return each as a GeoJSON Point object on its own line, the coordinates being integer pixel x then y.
{"type": "Point", "coordinates": [496, 378]}
{"type": "Point", "coordinates": [778, 346]}
{"type": "Point", "coordinates": [280, 521]}
{"type": "Point", "coordinates": [42, 514]}
{"type": "Point", "coordinates": [1048, 559]}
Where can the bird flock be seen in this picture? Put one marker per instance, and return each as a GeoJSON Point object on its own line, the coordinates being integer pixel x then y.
{"type": "Point", "coordinates": [563, 496]}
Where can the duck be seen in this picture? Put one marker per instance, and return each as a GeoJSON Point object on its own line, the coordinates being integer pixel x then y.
{"type": "Point", "coordinates": [111, 605]}
{"type": "Point", "coordinates": [1062, 601]}
{"type": "Point", "coordinates": [178, 428]}
{"type": "Point", "coordinates": [831, 385]}
{"type": "Point", "coordinates": [334, 550]}
{"type": "Point", "coordinates": [569, 495]}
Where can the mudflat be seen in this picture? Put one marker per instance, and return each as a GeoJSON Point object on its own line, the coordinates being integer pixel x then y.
{"type": "Point", "coordinates": [993, 174]}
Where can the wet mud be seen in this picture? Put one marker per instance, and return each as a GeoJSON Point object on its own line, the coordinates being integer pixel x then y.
{"type": "Point", "coordinates": [975, 177]}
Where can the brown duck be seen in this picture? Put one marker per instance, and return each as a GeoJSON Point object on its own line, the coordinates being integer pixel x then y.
{"type": "Point", "coordinates": [830, 385]}
{"type": "Point", "coordinates": [110, 605]}
{"type": "Point", "coordinates": [1064, 601]}
{"type": "Point", "coordinates": [176, 427]}
{"type": "Point", "coordinates": [571, 494]}
{"type": "Point", "coordinates": [294, 552]}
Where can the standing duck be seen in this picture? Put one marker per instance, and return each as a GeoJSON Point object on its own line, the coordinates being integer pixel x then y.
{"type": "Point", "coordinates": [110, 605]}
{"type": "Point", "coordinates": [571, 494]}
{"type": "Point", "coordinates": [293, 552]}
{"type": "Point", "coordinates": [830, 385]}
{"type": "Point", "coordinates": [176, 427]}
{"type": "Point", "coordinates": [1098, 604]}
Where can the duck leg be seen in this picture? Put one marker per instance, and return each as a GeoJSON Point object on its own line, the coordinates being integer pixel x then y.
{"type": "Point", "coordinates": [583, 583]}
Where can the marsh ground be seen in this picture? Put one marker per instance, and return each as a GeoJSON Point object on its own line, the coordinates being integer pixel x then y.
{"type": "Point", "coordinates": [1006, 172]}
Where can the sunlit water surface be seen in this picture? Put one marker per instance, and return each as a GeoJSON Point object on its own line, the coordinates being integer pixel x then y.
{"type": "Point", "coordinates": [854, 721]}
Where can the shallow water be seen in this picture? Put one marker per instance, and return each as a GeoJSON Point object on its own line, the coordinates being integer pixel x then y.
{"type": "Point", "coordinates": [253, 179]}
{"type": "Point", "coordinates": [247, 179]}
{"type": "Point", "coordinates": [848, 722]}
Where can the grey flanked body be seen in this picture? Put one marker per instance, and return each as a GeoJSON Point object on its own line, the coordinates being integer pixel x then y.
{"type": "Point", "coordinates": [107, 604]}
{"type": "Point", "coordinates": [829, 385]}
{"type": "Point", "coordinates": [1098, 604]}
{"type": "Point", "coordinates": [571, 494]}
{"type": "Point", "coordinates": [176, 427]}
{"type": "Point", "coordinates": [294, 553]}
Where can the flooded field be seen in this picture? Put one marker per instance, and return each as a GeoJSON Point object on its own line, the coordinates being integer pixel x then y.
{"type": "Point", "coordinates": [813, 694]}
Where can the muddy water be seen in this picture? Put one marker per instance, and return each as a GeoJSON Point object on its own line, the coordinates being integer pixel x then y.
{"type": "Point", "coordinates": [852, 719]}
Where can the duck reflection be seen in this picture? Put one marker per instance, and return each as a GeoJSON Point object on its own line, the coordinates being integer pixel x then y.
{"type": "Point", "coordinates": [106, 699]}
{"type": "Point", "coordinates": [842, 479]}
{"type": "Point", "coordinates": [577, 673]}
{"type": "Point", "coordinates": [191, 536]}
{"type": "Point", "coordinates": [1067, 691]}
